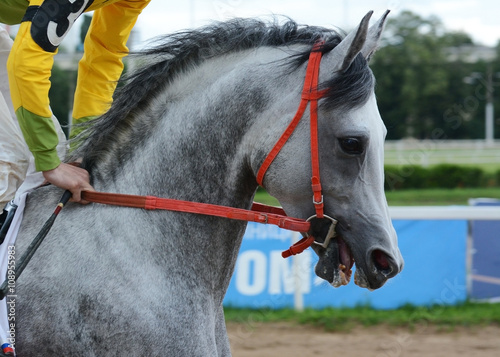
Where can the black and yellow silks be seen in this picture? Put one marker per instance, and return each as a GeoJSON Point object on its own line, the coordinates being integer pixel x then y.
{"type": "Point", "coordinates": [43, 27]}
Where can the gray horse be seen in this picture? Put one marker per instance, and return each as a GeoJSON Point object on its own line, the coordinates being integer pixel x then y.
{"type": "Point", "coordinates": [195, 124]}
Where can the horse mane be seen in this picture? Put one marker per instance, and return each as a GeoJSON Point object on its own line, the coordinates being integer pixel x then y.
{"type": "Point", "coordinates": [180, 51]}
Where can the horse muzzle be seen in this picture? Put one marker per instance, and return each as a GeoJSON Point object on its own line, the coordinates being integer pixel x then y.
{"type": "Point", "coordinates": [337, 256]}
{"type": "Point", "coordinates": [378, 267]}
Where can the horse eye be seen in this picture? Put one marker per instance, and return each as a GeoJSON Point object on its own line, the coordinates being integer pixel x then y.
{"type": "Point", "coordinates": [351, 146]}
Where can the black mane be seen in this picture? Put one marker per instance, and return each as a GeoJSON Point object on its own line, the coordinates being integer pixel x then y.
{"type": "Point", "coordinates": [177, 52]}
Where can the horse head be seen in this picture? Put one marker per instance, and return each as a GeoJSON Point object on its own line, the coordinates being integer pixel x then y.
{"type": "Point", "coordinates": [351, 160]}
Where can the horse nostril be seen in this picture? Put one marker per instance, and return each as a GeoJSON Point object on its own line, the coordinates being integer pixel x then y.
{"type": "Point", "coordinates": [382, 262]}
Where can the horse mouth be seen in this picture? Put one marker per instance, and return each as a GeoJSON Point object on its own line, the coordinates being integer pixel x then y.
{"type": "Point", "coordinates": [336, 259]}
{"type": "Point", "coordinates": [335, 263]}
{"type": "Point", "coordinates": [346, 261]}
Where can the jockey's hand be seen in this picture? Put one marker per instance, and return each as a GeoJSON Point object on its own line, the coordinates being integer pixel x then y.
{"type": "Point", "coordinates": [70, 177]}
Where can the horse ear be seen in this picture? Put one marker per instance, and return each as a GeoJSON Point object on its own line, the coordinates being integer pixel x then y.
{"type": "Point", "coordinates": [373, 37]}
{"type": "Point", "coordinates": [352, 44]}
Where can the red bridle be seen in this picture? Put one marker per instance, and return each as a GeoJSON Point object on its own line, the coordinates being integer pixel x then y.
{"type": "Point", "coordinates": [259, 213]}
{"type": "Point", "coordinates": [310, 95]}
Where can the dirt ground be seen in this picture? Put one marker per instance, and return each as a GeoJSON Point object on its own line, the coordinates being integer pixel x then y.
{"type": "Point", "coordinates": [284, 339]}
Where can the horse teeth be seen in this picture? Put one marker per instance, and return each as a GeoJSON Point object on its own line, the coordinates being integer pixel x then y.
{"type": "Point", "coordinates": [343, 278]}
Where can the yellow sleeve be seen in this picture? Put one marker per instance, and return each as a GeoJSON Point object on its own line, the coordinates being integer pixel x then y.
{"type": "Point", "coordinates": [104, 48]}
{"type": "Point", "coordinates": [29, 69]}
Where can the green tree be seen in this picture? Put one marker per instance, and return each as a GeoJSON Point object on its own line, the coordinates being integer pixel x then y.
{"type": "Point", "coordinates": [421, 93]}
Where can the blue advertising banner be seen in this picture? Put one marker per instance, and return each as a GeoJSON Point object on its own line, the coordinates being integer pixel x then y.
{"type": "Point", "coordinates": [485, 270]}
{"type": "Point", "coordinates": [434, 272]}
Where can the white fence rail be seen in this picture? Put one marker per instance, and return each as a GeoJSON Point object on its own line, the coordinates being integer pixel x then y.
{"type": "Point", "coordinates": [432, 152]}
{"type": "Point", "coordinates": [477, 213]}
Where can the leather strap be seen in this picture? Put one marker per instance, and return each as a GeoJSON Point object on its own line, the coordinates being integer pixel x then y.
{"type": "Point", "coordinates": [298, 247]}
{"type": "Point", "coordinates": [310, 94]}
{"type": "Point", "coordinates": [260, 213]}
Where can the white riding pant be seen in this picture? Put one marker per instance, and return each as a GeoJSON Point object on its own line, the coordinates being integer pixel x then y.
{"type": "Point", "coordinates": [17, 168]}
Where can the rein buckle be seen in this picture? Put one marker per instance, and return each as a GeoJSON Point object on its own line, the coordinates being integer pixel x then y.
{"type": "Point", "coordinates": [319, 203]}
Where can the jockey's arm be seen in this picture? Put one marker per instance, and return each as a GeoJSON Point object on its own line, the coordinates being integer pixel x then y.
{"type": "Point", "coordinates": [29, 67]}
{"type": "Point", "coordinates": [30, 64]}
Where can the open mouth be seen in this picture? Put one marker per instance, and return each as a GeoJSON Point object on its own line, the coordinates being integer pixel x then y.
{"type": "Point", "coordinates": [335, 257]}
{"type": "Point", "coordinates": [346, 261]}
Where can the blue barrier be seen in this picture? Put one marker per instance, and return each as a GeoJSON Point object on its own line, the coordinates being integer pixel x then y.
{"type": "Point", "coordinates": [434, 272]}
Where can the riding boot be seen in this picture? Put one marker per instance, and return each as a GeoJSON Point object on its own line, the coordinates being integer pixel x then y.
{"type": "Point", "coordinates": [6, 219]}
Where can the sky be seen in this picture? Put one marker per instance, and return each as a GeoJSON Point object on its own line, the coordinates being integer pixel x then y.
{"type": "Point", "coordinates": [478, 18]}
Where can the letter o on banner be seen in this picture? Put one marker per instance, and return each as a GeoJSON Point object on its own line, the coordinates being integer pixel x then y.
{"type": "Point", "coordinates": [251, 272]}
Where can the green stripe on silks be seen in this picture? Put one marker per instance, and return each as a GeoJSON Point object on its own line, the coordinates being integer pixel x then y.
{"type": "Point", "coordinates": [12, 11]}
{"type": "Point", "coordinates": [41, 137]}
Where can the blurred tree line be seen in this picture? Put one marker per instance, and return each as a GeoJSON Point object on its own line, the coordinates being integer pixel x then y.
{"type": "Point", "coordinates": [421, 92]}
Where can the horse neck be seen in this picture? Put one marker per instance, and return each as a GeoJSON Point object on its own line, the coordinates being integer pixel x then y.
{"type": "Point", "coordinates": [200, 147]}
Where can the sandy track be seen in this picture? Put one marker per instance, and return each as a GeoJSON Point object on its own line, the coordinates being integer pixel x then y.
{"type": "Point", "coordinates": [283, 339]}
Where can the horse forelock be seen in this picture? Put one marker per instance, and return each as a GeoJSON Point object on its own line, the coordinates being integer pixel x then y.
{"type": "Point", "coordinates": [345, 90]}
{"type": "Point", "coordinates": [120, 129]}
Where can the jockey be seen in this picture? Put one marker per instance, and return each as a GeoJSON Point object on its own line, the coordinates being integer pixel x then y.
{"type": "Point", "coordinates": [17, 167]}
{"type": "Point", "coordinates": [44, 23]}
